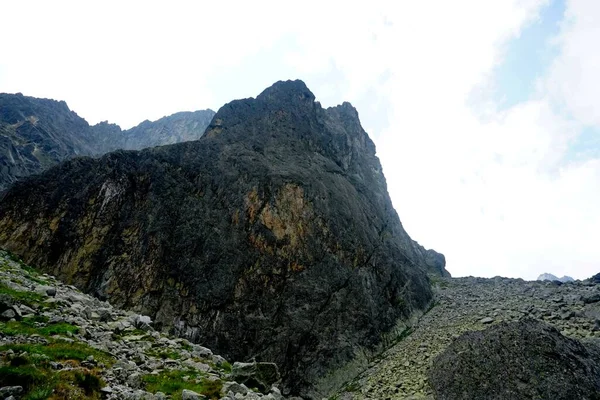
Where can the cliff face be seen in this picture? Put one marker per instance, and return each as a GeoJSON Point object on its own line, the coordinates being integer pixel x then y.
{"type": "Point", "coordinates": [36, 134]}
{"type": "Point", "coordinates": [273, 236]}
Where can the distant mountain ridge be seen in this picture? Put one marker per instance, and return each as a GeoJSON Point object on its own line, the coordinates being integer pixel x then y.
{"type": "Point", "coordinates": [36, 134]}
{"type": "Point", "coordinates": [550, 277]}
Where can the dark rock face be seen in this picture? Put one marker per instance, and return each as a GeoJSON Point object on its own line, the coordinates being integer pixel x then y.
{"type": "Point", "coordinates": [272, 237]}
{"type": "Point", "coordinates": [528, 359]}
{"type": "Point", "coordinates": [36, 134]}
{"type": "Point", "coordinates": [595, 278]}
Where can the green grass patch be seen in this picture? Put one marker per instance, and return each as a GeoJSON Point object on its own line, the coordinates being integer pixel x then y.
{"type": "Point", "coordinates": [14, 258]}
{"type": "Point", "coordinates": [21, 375]}
{"type": "Point", "coordinates": [42, 392]}
{"type": "Point", "coordinates": [33, 326]}
{"type": "Point", "coordinates": [172, 383]}
{"type": "Point", "coordinates": [30, 299]}
{"type": "Point", "coordinates": [37, 280]}
{"type": "Point", "coordinates": [61, 351]}
{"type": "Point", "coordinates": [163, 354]}
{"type": "Point", "coordinates": [32, 370]}
{"type": "Point", "coordinates": [226, 366]}
{"type": "Point", "coordinates": [32, 273]}
{"type": "Point", "coordinates": [352, 387]}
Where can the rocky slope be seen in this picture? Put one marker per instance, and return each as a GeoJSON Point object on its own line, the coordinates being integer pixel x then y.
{"type": "Point", "coordinates": [58, 343]}
{"type": "Point", "coordinates": [273, 236]}
{"type": "Point", "coordinates": [36, 134]}
{"type": "Point", "coordinates": [473, 304]}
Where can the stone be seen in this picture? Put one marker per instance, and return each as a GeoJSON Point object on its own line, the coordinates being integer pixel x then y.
{"type": "Point", "coordinates": [135, 381]}
{"type": "Point", "coordinates": [7, 391]}
{"type": "Point", "coordinates": [591, 298]}
{"type": "Point", "coordinates": [190, 395]}
{"type": "Point", "coordinates": [143, 322]}
{"type": "Point", "coordinates": [234, 387]}
{"type": "Point", "coordinates": [8, 314]}
{"type": "Point", "coordinates": [486, 320]}
{"type": "Point", "coordinates": [518, 360]}
{"type": "Point", "coordinates": [260, 375]}
{"type": "Point", "coordinates": [201, 352]}
{"type": "Point", "coordinates": [275, 393]}
{"type": "Point", "coordinates": [46, 290]}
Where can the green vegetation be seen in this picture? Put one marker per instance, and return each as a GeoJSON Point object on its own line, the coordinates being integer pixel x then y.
{"type": "Point", "coordinates": [164, 354]}
{"type": "Point", "coordinates": [173, 383]}
{"type": "Point", "coordinates": [32, 370]}
{"type": "Point", "coordinates": [226, 366]}
{"type": "Point", "coordinates": [32, 273]}
{"type": "Point", "coordinates": [59, 351]}
{"type": "Point", "coordinates": [130, 332]}
{"type": "Point", "coordinates": [37, 325]}
{"type": "Point", "coordinates": [352, 387]}
{"type": "Point", "coordinates": [30, 299]}
{"type": "Point", "coordinates": [187, 346]}
{"type": "Point", "coordinates": [404, 334]}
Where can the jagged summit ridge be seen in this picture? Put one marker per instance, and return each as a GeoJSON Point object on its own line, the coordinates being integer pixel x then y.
{"type": "Point", "coordinates": [290, 91]}
{"type": "Point", "coordinates": [273, 236]}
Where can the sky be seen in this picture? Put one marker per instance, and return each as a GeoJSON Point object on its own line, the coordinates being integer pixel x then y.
{"type": "Point", "coordinates": [485, 114]}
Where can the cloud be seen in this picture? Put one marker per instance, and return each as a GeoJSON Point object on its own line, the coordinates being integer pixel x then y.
{"type": "Point", "coordinates": [574, 82]}
{"type": "Point", "coordinates": [499, 195]}
{"type": "Point", "coordinates": [496, 189]}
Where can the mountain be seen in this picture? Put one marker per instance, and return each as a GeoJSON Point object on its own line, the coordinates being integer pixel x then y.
{"type": "Point", "coordinates": [271, 237]}
{"type": "Point", "coordinates": [38, 133]}
{"type": "Point", "coordinates": [550, 277]}
{"type": "Point", "coordinates": [179, 127]}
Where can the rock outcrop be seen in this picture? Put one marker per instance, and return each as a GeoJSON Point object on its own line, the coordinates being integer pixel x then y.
{"type": "Point", "coordinates": [272, 237]}
{"type": "Point", "coordinates": [527, 359]}
{"type": "Point", "coordinates": [36, 134]}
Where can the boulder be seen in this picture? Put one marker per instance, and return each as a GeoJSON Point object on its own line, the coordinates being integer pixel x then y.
{"type": "Point", "coordinates": [518, 360]}
{"type": "Point", "coordinates": [260, 375]}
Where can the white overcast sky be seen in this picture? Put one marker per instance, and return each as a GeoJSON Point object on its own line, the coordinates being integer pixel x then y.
{"type": "Point", "coordinates": [486, 114]}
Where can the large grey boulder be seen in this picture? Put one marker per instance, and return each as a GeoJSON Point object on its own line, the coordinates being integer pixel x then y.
{"type": "Point", "coordinates": [260, 375]}
{"type": "Point", "coordinates": [518, 360]}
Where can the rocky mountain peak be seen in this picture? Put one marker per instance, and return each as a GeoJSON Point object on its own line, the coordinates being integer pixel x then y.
{"type": "Point", "coordinates": [287, 92]}
{"type": "Point", "coordinates": [271, 237]}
